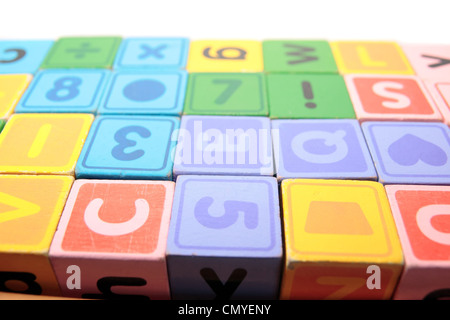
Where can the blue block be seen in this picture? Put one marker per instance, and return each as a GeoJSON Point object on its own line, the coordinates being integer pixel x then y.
{"type": "Point", "coordinates": [68, 91]}
{"type": "Point", "coordinates": [409, 152]}
{"type": "Point", "coordinates": [225, 229]}
{"type": "Point", "coordinates": [129, 147]}
{"type": "Point", "coordinates": [321, 149]}
{"type": "Point", "coordinates": [23, 56]}
{"type": "Point", "coordinates": [152, 53]}
{"type": "Point", "coordinates": [145, 92]}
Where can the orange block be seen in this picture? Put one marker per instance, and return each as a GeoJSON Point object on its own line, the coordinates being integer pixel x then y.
{"type": "Point", "coordinates": [12, 86]}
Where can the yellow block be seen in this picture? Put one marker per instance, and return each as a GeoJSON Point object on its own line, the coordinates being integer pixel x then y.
{"type": "Point", "coordinates": [12, 86]}
{"type": "Point", "coordinates": [225, 56]}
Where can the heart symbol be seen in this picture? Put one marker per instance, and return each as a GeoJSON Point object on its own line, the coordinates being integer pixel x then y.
{"type": "Point", "coordinates": [409, 149]}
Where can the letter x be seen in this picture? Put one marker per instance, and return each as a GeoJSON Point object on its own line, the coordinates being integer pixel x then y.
{"type": "Point", "coordinates": [149, 51]}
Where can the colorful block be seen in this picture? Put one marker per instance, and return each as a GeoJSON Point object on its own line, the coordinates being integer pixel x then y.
{"type": "Point", "coordinates": [370, 57]}
{"type": "Point", "coordinates": [238, 94]}
{"type": "Point", "coordinates": [152, 53]}
{"type": "Point", "coordinates": [409, 152]}
{"type": "Point", "coordinates": [65, 91]}
{"type": "Point", "coordinates": [327, 149]}
{"type": "Point", "coordinates": [429, 61]}
{"type": "Point", "coordinates": [422, 215]}
{"type": "Point", "coordinates": [225, 56]}
{"type": "Point", "coordinates": [225, 238]}
{"type": "Point", "coordinates": [21, 57]}
{"type": "Point", "coordinates": [12, 86]}
{"type": "Point", "coordinates": [294, 96]}
{"type": "Point", "coordinates": [30, 210]}
{"type": "Point", "coordinates": [395, 98]}
{"type": "Point", "coordinates": [224, 145]}
{"type": "Point", "coordinates": [129, 147]}
{"type": "Point", "coordinates": [440, 92]}
{"type": "Point", "coordinates": [305, 56]}
{"type": "Point", "coordinates": [115, 233]}
{"type": "Point", "coordinates": [43, 143]}
{"type": "Point", "coordinates": [145, 92]}
{"type": "Point", "coordinates": [340, 239]}
{"type": "Point", "coordinates": [82, 52]}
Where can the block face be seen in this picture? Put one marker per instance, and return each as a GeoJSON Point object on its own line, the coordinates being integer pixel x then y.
{"type": "Point", "coordinates": [43, 143]}
{"type": "Point", "coordinates": [11, 89]}
{"type": "Point", "coordinates": [306, 56]}
{"type": "Point", "coordinates": [131, 147]}
{"type": "Point", "coordinates": [152, 53]}
{"type": "Point", "coordinates": [64, 91]}
{"type": "Point", "coordinates": [429, 61]}
{"type": "Point", "coordinates": [239, 94]}
{"type": "Point", "coordinates": [82, 52]}
{"type": "Point", "coordinates": [225, 56]}
{"type": "Point", "coordinates": [311, 96]}
{"type": "Point", "coordinates": [142, 92]}
{"type": "Point", "coordinates": [23, 57]}
{"type": "Point", "coordinates": [440, 92]}
{"type": "Point", "coordinates": [327, 149]}
{"type": "Point", "coordinates": [409, 152]}
{"type": "Point", "coordinates": [225, 145]}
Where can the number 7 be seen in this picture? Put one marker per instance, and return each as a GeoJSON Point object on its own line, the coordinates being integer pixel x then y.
{"type": "Point", "coordinates": [232, 86]}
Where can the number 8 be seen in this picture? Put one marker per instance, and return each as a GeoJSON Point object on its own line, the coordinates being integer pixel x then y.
{"type": "Point", "coordinates": [68, 86]}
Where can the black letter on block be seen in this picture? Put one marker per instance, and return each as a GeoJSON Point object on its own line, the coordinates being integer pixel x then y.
{"type": "Point", "coordinates": [105, 284]}
{"type": "Point", "coordinates": [20, 55]}
{"type": "Point", "coordinates": [26, 277]}
{"type": "Point", "coordinates": [299, 52]}
{"type": "Point", "coordinates": [438, 294]}
{"type": "Point", "coordinates": [223, 292]}
{"type": "Point", "coordinates": [220, 54]}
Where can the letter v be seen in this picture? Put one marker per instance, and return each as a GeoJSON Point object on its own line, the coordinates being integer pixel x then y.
{"type": "Point", "coordinates": [223, 292]}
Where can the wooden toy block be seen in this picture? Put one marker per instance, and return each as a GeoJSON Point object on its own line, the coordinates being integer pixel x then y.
{"type": "Point", "coordinates": [145, 92]}
{"type": "Point", "coordinates": [422, 213]}
{"type": "Point", "coordinates": [305, 56]}
{"type": "Point", "coordinates": [23, 57]}
{"type": "Point", "coordinates": [43, 143]}
{"type": "Point", "coordinates": [129, 147]}
{"type": "Point", "coordinates": [225, 238]}
{"type": "Point", "coordinates": [224, 145]}
{"type": "Point", "coordinates": [340, 241]}
{"type": "Point", "coordinates": [370, 57]}
{"type": "Point", "coordinates": [112, 236]}
{"type": "Point", "coordinates": [64, 91]}
{"type": "Point", "coordinates": [152, 53]}
{"type": "Point", "coordinates": [395, 98]}
{"type": "Point", "coordinates": [312, 96]}
{"type": "Point", "coordinates": [440, 92]}
{"type": "Point", "coordinates": [409, 152]}
{"type": "Point", "coordinates": [236, 94]}
{"type": "Point", "coordinates": [429, 61]}
{"type": "Point", "coordinates": [82, 52]}
{"type": "Point", "coordinates": [325, 149]}
{"type": "Point", "coordinates": [225, 56]}
{"type": "Point", "coordinates": [12, 86]}
{"type": "Point", "coordinates": [30, 209]}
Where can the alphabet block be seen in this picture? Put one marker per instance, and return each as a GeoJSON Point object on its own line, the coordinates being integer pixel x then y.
{"type": "Point", "coordinates": [440, 92]}
{"type": "Point", "coordinates": [23, 57]}
{"type": "Point", "coordinates": [12, 86]}
{"type": "Point", "coordinates": [431, 62]}
{"type": "Point", "coordinates": [340, 240]}
{"type": "Point", "coordinates": [112, 239]}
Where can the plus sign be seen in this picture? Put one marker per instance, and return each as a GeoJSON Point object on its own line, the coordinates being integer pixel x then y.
{"type": "Point", "coordinates": [84, 49]}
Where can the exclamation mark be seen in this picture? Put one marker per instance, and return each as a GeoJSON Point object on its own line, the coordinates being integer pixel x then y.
{"type": "Point", "coordinates": [308, 94]}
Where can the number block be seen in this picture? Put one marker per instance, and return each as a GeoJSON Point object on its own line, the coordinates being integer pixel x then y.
{"type": "Point", "coordinates": [440, 92]}
{"type": "Point", "coordinates": [429, 61]}
{"type": "Point", "coordinates": [326, 149]}
{"type": "Point", "coordinates": [30, 210]}
{"type": "Point", "coordinates": [43, 143]}
{"type": "Point", "coordinates": [409, 152]}
{"type": "Point", "coordinates": [422, 216]}
{"type": "Point", "coordinates": [392, 98]}
{"type": "Point", "coordinates": [152, 53]}
{"type": "Point", "coordinates": [23, 57]}
{"type": "Point", "coordinates": [225, 56]}
{"type": "Point", "coordinates": [225, 238]}
{"type": "Point", "coordinates": [311, 96]}
{"type": "Point", "coordinates": [237, 94]}
{"type": "Point", "coordinates": [64, 91]}
{"type": "Point", "coordinates": [305, 56]}
{"type": "Point", "coordinates": [12, 86]}
{"type": "Point", "coordinates": [115, 233]}
{"type": "Point", "coordinates": [129, 147]}
{"type": "Point", "coordinates": [227, 145]}
{"type": "Point", "coordinates": [340, 239]}
{"type": "Point", "coordinates": [82, 52]}
{"type": "Point", "coordinates": [145, 92]}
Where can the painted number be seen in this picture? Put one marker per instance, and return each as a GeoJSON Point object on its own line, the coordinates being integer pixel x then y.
{"type": "Point", "coordinates": [231, 86]}
{"type": "Point", "coordinates": [118, 152]}
{"type": "Point", "coordinates": [64, 89]}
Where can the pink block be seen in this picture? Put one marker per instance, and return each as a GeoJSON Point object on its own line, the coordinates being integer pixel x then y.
{"type": "Point", "coordinates": [440, 92]}
{"type": "Point", "coordinates": [429, 61]}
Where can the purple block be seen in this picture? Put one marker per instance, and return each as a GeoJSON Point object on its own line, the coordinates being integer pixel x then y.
{"type": "Point", "coordinates": [225, 231]}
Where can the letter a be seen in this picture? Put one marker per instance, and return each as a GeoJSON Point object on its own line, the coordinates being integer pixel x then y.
{"type": "Point", "coordinates": [74, 281]}
{"type": "Point", "coordinates": [374, 281]}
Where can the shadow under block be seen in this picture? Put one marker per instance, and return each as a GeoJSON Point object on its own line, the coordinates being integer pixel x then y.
{"type": "Point", "coordinates": [340, 240]}
{"type": "Point", "coordinates": [30, 208]}
{"type": "Point", "coordinates": [23, 57]}
{"type": "Point", "coordinates": [43, 143]}
{"type": "Point", "coordinates": [12, 87]}
{"type": "Point", "coordinates": [422, 215]}
{"type": "Point", "coordinates": [225, 238]}
{"type": "Point", "coordinates": [115, 233]}
{"type": "Point", "coordinates": [430, 62]}
{"type": "Point", "coordinates": [440, 92]}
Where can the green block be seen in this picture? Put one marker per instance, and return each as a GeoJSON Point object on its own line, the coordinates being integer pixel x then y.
{"type": "Point", "coordinates": [82, 52]}
{"type": "Point", "coordinates": [308, 96]}
{"type": "Point", "coordinates": [313, 56]}
{"type": "Point", "coordinates": [2, 124]}
{"type": "Point", "coordinates": [226, 94]}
